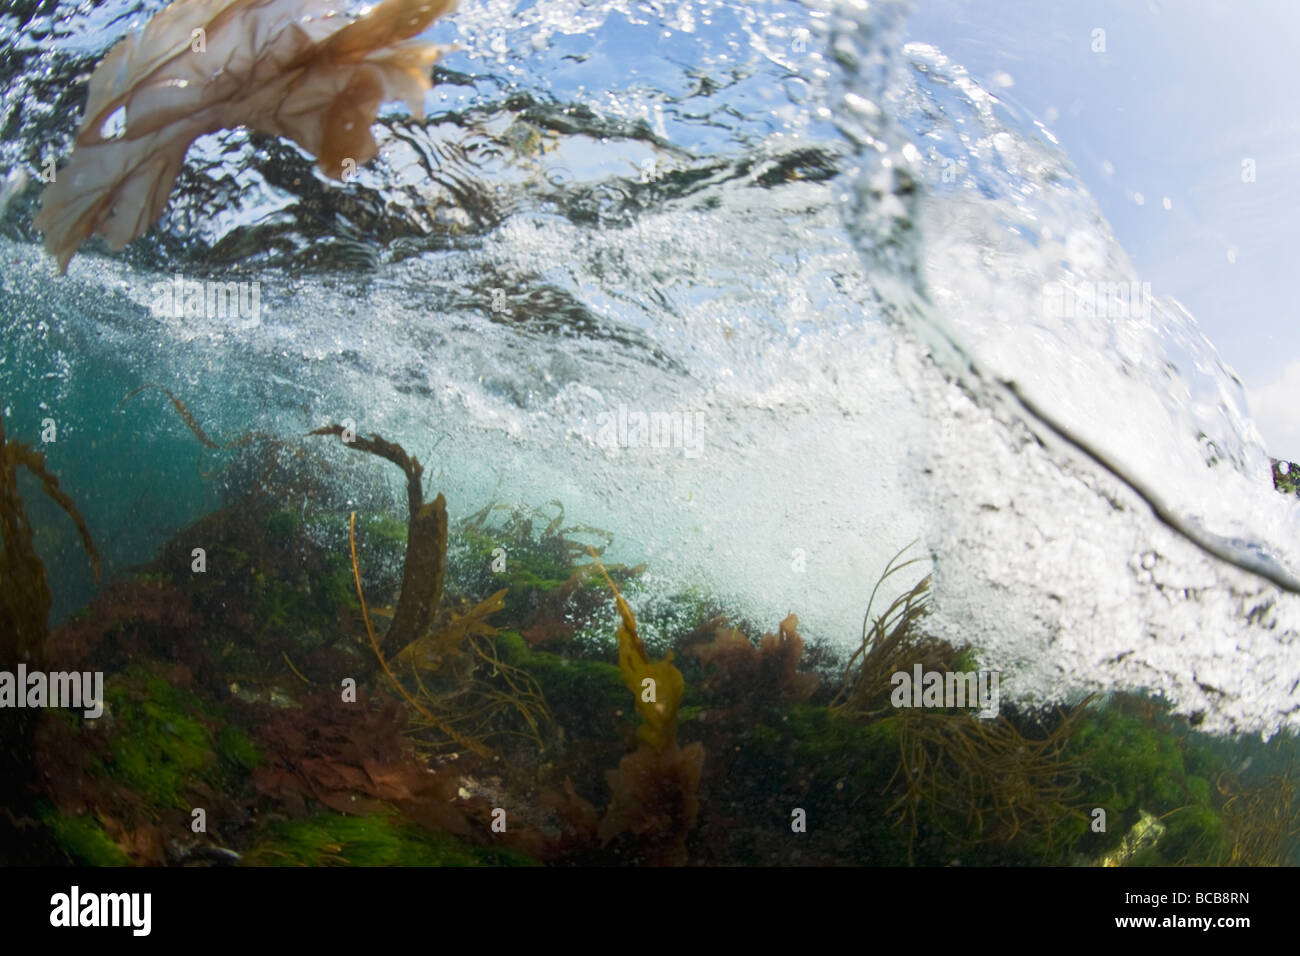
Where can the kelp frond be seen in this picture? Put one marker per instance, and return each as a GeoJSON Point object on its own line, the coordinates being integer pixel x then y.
{"type": "Point", "coordinates": [656, 686]}
{"type": "Point", "coordinates": [24, 593]}
{"type": "Point", "coordinates": [463, 691]}
{"type": "Point", "coordinates": [280, 67]}
{"type": "Point", "coordinates": [655, 788]}
{"type": "Point", "coordinates": [425, 565]}
{"type": "Point", "coordinates": [435, 721]}
{"type": "Point", "coordinates": [188, 418]}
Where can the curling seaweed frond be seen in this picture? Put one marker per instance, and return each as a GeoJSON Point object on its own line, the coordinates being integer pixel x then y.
{"type": "Point", "coordinates": [656, 686]}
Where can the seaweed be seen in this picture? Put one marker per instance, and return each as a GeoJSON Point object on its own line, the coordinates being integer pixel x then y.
{"type": "Point", "coordinates": [276, 66]}
{"type": "Point", "coordinates": [24, 594]}
{"type": "Point", "coordinates": [890, 643]}
{"type": "Point", "coordinates": [549, 596]}
{"type": "Point", "coordinates": [162, 747]}
{"type": "Point", "coordinates": [976, 781]}
{"type": "Point", "coordinates": [985, 782]}
{"type": "Point", "coordinates": [126, 620]}
{"type": "Point", "coordinates": [25, 603]}
{"type": "Point", "coordinates": [1286, 476]}
{"type": "Point", "coordinates": [415, 780]}
{"type": "Point", "coordinates": [426, 543]}
{"type": "Point", "coordinates": [434, 720]}
{"type": "Point", "coordinates": [446, 662]}
{"type": "Point", "coordinates": [445, 658]}
{"type": "Point", "coordinates": [159, 752]}
{"type": "Point", "coordinates": [1263, 821]}
{"type": "Point", "coordinates": [656, 788]}
{"type": "Point", "coordinates": [376, 839]}
{"type": "Point", "coordinates": [83, 838]}
{"type": "Point", "coordinates": [354, 759]}
{"type": "Point", "coordinates": [742, 674]}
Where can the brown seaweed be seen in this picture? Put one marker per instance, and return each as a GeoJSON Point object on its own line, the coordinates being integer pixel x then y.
{"type": "Point", "coordinates": [291, 68]}
{"type": "Point", "coordinates": [656, 788]}
{"type": "Point", "coordinates": [24, 594]}
{"type": "Point", "coordinates": [769, 673]}
{"type": "Point", "coordinates": [426, 543]}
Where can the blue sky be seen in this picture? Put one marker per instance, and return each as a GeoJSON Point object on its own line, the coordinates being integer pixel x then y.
{"type": "Point", "coordinates": [1184, 93]}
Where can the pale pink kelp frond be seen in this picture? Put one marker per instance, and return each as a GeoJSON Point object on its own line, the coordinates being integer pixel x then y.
{"type": "Point", "coordinates": [301, 69]}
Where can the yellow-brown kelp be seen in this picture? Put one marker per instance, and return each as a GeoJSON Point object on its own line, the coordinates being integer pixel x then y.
{"type": "Point", "coordinates": [463, 690]}
{"type": "Point", "coordinates": [655, 789]}
{"type": "Point", "coordinates": [426, 543]}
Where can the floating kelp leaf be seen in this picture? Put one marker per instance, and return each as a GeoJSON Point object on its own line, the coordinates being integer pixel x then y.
{"type": "Point", "coordinates": [292, 68]}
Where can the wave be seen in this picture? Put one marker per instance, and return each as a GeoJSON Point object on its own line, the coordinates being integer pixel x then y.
{"type": "Point", "coordinates": [760, 288]}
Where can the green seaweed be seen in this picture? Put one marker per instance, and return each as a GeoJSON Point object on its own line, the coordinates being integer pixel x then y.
{"type": "Point", "coordinates": [83, 838]}
{"type": "Point", "coordinates": [161, 744]}
{"type": "Point", "coordinates": [238, 750]}
{"type": "Point", "coordinates": [374, 840]}
{"type": "Point", "coordinates": [1135, 764]}
{"type": "Point", "coordinates": [585, 695]}
{"type": "Point", "coordinates": [1286, 476]}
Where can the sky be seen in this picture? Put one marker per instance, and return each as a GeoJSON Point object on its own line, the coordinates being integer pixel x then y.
{"type": "Point", "coordinates": [1186, 129]}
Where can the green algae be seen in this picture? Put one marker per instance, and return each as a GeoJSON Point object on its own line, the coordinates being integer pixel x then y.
{"type": "Point", "coordinates": [159, 744]}
{"type": "Point", "coordinates": [1151, 780]}
{"type": "Point", "coordinates": [237, 750]}
{"type": "Point", "coordinates": [373, 840]}
{"type": "Point", "coordinates": [162, 744]}
{"type": "Point", "coordinates": [1135, 765]}
{"type": "Point", "coordinates": [585, 695]}
{"type": "Point", "coordinates": [82, 838]}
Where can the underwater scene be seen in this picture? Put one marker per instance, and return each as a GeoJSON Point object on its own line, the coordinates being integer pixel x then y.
{"type": "Point", "coordinates": [589, 433]}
